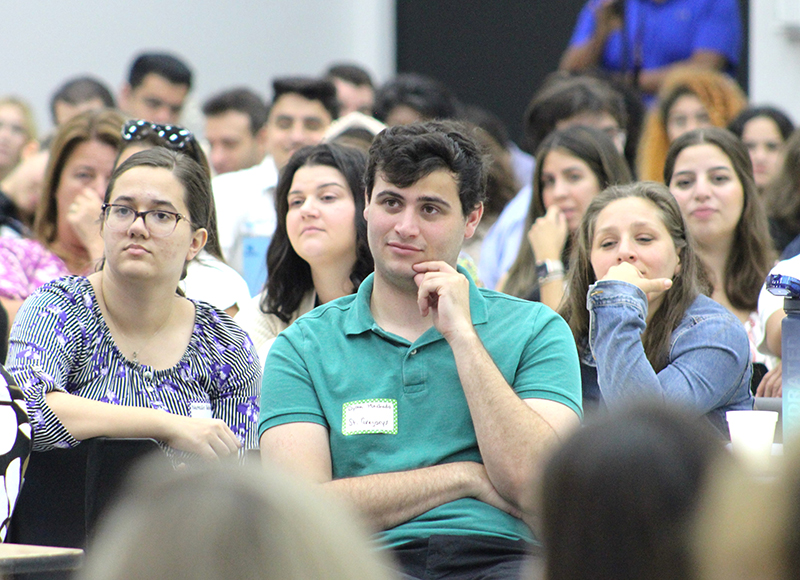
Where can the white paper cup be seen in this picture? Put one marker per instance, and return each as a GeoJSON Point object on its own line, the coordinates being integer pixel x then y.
{"type": "Point", "coordinates": [752, 433]}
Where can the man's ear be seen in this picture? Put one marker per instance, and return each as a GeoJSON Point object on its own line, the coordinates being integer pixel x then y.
{"type": "Point", "coordinates": [473, 219]}
{"type": "Point", "coordinates": [366, 206]}
{"type": "Point", "coordinates": [261, 140]}
{"type": "Point", "coordinates": [124, 97]}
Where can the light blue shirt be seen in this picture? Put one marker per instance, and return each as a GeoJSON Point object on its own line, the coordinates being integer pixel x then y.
{"type": "Point", "coordinates": [501, 244]}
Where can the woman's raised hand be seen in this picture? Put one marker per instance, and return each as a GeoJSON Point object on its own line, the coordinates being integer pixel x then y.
{"type": "Point", "coordinates": [83, 215]}
{"type": "Point", "coordinates": [208, 438]}
{"type": "Point", "coordinates": [627, 272]}
{"type": "Point", "coordinates": [548, 234]}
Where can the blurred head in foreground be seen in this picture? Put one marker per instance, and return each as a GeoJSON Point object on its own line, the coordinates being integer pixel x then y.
{"type": "Point", "coordinates": [226, 522]}
{"type": "Point", "coordinates": [619, 496]}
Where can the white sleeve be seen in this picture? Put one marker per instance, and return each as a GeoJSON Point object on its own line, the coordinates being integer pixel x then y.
{"type": "Point", "coordinates": [768, 303]}
{"type": "Point", "coordinates": [215, 282]}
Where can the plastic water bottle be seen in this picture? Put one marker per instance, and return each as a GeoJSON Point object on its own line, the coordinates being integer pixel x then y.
{"type": "Point", "coordinates": [790, 355]}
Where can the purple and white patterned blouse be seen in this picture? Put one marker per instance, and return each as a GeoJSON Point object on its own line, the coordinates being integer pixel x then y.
{"type": "Point", "coordinates": [60, 341]}
{"type": "Point", "coordinates": [25, 265]}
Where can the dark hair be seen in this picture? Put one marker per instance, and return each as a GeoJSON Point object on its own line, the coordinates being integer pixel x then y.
{"type": "Point", "coordinates": [351, 73]}
{"type": "Point", "coordinates": [619, 496]}
{"type": "Point", "coordinates": [751, 253]}
{"type": "Point", "coordinates": [781, 120]}
{"type": "Point", "coordinates": [194, 179]}
{"type": "Point", "coordinates": [594, 148]}
{"type": "Point", "coordinates": [321, 90]}
{"type": "Point", "coordinates": [492, 134]}
{"type": "Point", "coordinates": [686, 284]}
{"type": "Point", "coordinates": [564, 97]}
{"type": "Point", "coordinates": [406, 153]}
{"type": "Point", "coordinates": [242, 100]}
{"type": "Point", "coordinates": [80, 90]}
{"type": "Point", "coordinates": [148, 134]}
{"type": "Point", "coordinates": [429, 97]}
{"type": "Point", "coordinates": [501, 183]}
{"type": "Point", "coordinates": [487, 121]}
{"type": "Point", "coordinates": [635, 111]}
{"type": "Point", "coordinates": [3, 334]}
{"type": "Point", "coordinates": [289, 274]}
{"type": "Point", "coordinates": [162, 64]}
{"type": "Point", "coordinates": [104, 126]}
{"type": "Point", "coordinates": [665, 107]}
{"type": "Point", "coordinates": [782, 195]}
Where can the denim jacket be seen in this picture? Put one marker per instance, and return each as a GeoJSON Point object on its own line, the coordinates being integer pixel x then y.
{"type": "Point", "coordinates": [709, 357]}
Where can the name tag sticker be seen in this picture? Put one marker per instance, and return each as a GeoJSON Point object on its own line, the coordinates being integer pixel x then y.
{"type": "Point", "coordinates": [200, 410]}
{"type": "Point", "coordinates": [370, 416]}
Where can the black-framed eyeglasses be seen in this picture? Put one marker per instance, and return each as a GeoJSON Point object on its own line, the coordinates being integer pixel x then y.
{"type": "Point", "coordinates": [160, 223]}
{"type": "Point", "coordinates": [171, 136]}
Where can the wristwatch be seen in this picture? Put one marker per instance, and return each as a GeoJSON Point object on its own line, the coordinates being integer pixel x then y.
{"type": "Point", "coordinates": [547, 270]}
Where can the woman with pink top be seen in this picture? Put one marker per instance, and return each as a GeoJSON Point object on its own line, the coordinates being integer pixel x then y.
{"type": "Point", "coordinates": [67, 225]}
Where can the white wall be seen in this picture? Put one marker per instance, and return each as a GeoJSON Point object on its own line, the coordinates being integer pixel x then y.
{"type": "Point", "coordinates": [775, 55]}
{"type": "Point", "coordinates": [227, 43]}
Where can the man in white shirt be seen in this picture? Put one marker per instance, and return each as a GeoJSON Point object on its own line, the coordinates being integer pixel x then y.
{"type": "Point", "coordinates": [236, 131]}
{"type": "Point", "coordinates": [157, 87]}
{"type": "Point", "coordinates": [301, 111]}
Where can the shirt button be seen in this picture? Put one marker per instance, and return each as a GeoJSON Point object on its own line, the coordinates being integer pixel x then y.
{"type": "Point", "coordinates": [413, 352]}
{"type": "Point", "coordinates": [148, 376]}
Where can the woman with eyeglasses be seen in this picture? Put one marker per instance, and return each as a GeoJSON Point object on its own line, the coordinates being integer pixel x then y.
{"type": "Point", "coordinates": [66, 226]}
{"type": "Point", "coordinates": [121, 353]}
{"type": "Point", "coordinates": [208, 277]}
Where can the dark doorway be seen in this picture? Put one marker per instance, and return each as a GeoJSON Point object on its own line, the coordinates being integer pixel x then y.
{"type": "Point", "coordinates": [493, 54]}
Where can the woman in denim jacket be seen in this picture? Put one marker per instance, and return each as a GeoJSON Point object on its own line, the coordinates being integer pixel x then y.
{"type": "Point", "coordinates": [641, 322]}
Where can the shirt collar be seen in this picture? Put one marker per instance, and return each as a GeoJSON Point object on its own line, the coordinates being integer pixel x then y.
{"type": "Point", "coordinates": [360, 318]}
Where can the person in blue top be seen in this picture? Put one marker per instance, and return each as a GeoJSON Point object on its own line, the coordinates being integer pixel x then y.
{"type": "Point", "coordinates": [426, 403]}
{"type": "Point", "coordinates": [645, 38]}
{"type": "Point", "coordinates": [636, 308]}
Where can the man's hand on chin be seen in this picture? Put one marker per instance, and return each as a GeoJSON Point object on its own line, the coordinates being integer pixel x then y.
{"type": "Point", "coordinates": [444, 293]}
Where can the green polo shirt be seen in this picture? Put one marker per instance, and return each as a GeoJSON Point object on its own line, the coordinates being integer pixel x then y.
{"type": "Point", "coordinates": [391, 405]}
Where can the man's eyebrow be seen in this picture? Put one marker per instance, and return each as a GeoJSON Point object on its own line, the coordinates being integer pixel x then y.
{"type": "Point", "coordinates": [388, 192]}
{"type": "Point", "coordinates": [433, 199]}
{"type": "Point", "coordinates": [421, 199]}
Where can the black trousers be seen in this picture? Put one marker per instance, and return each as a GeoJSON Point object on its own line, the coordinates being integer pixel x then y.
{"type": "Point", "coordinates": [464, 558]}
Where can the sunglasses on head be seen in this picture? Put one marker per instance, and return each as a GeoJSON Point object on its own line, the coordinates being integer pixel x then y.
{"type": "Point", "coordinates": [172, 136]}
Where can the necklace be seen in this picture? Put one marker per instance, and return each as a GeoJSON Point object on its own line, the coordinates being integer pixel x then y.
{"type": "Point", "coordinates": [136, 352]}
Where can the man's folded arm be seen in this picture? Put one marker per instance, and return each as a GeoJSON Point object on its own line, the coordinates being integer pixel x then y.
{"type": "Point", "coordinates": [385, 500]}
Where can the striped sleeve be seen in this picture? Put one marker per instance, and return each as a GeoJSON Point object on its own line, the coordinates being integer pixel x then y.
{"type": "Point", "coordinates": [47, 336]}
{"type": "Point", "coordinates": [233, 374]}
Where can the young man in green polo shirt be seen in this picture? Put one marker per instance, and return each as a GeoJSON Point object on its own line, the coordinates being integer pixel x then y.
{"type": "Point", "coordinates": [427, 403]}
